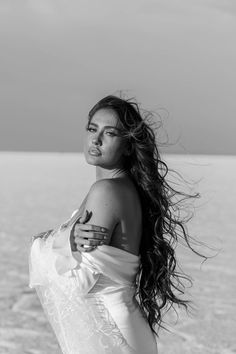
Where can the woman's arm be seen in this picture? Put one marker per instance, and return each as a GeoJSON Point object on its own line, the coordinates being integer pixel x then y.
{"type": "Point", "coordinates": [103, 210]}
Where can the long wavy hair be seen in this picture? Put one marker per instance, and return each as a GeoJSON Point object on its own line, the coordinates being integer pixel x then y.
{"type": "Point", "coordinates": [159, 285]}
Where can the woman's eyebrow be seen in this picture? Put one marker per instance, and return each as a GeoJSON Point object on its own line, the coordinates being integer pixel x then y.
{"type": "Point", "coordinates": [106, 126]}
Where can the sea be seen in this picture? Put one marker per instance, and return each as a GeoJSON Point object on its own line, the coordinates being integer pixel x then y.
{"type": "Point", "coordinates": [39, 191]}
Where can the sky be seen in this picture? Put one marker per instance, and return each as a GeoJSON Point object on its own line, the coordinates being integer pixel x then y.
{"type": "Point", "coordinates": [176, 57]}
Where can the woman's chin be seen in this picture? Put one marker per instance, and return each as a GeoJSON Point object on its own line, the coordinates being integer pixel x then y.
{"type": "Point", "coordinates": [92, 160]}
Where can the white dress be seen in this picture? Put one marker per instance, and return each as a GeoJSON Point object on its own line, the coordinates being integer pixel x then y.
{"type": "Point", "coordinates": [88, 297]}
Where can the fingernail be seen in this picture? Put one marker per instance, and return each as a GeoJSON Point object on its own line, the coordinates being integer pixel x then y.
{"type": "Point", "coordinates": [102, 229]}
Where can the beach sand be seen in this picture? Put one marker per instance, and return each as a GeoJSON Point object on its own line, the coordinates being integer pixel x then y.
{"type": "Point", "coordinates": [39, 191]}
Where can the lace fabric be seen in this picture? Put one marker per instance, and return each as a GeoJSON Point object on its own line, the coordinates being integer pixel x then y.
{"type": "Point", "coordinates": [82, 292]}
{"type": "Point", "coordinates": [80, 320]}
{"type": "Point", "coordinates": [82, 324]}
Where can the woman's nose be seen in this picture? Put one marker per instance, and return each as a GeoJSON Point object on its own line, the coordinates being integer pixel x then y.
{"type": "Point", "coordinates": [96, 140]}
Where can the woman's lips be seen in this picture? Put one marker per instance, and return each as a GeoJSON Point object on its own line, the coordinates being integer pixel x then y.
{"type": "Point", "coordinates": [94, 152]}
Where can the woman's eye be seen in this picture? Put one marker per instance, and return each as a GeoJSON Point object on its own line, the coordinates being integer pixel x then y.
{"type": "Point", "coordinates": [94, 130]}
{"type": "Point", "coordinates": [90, 129]}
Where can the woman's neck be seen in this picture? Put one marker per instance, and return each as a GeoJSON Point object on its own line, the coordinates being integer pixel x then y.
{"type": "Point", "coordinates": [102, 173]}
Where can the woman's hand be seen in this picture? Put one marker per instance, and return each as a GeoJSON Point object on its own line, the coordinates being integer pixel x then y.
{"type": "Point", "coordinates": [86, 237]}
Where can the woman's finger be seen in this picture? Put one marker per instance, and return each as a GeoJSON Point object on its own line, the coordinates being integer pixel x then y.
{"type": "Point", "coordinates": [90, 227]}
{"type": "Point", "coordinates": [94, 235]}
{"type": "Point", "coordinates": [87, 249]}
{"type": "Point", "coordinates": [78, 218]}
{"type": "Point", "coordinates": [91, 242]}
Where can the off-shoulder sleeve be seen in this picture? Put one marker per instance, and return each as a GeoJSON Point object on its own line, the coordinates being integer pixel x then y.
{"type": "Point", "coordinates": [48, 264]}
{"type": "Point", "coordinates": [81, 323]}
{"type": "Point", "coordinates": [63, 280]}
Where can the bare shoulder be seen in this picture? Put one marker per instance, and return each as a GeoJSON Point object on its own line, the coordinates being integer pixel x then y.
{"type": "Point", "coordinates": [118, 193]}
{"type": "Point", "coordinates": [115, 204]}
{"type": "Point", "coordinates": [102, 204]}
{"type": "Point", "coordinates": [109, 195]}
{"type": "Point", "coordinates": [105, 189]}
{"type": "Point", "coordinates": [103, 184]}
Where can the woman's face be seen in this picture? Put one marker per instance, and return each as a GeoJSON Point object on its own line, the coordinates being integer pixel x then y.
{"type": "Point", "coordinates": [104, 145]}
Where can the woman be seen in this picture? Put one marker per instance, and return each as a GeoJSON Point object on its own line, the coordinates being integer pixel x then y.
{"type": "Point", "coordinates": [104, 287]}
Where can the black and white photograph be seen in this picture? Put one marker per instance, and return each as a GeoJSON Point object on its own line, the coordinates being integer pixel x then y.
{"type": "Point", "coordinates": [117, 177]}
